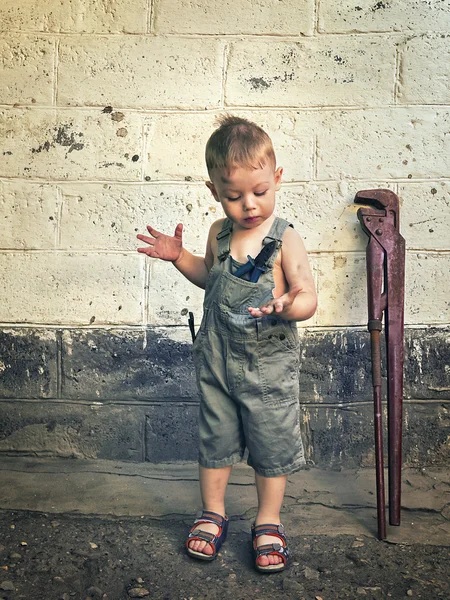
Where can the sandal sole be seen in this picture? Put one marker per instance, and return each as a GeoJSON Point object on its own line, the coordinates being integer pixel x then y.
{"type": "Point", "coordinates": [200, 555]}
{"type": "Point", "coordinates": [269, 570]}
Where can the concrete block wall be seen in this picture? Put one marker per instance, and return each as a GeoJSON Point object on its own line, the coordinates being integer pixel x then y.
{"type": "Point", "coordinates": [105, 108]}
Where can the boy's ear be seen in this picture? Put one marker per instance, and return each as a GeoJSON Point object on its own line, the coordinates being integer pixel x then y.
{"type": "Point", "coordinates": [278, 177]}
{"type": "Point", "coordinates": [212, 189]}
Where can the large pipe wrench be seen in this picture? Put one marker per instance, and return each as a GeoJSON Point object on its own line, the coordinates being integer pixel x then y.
{"type": "Point", "coordinates": [385, 259]}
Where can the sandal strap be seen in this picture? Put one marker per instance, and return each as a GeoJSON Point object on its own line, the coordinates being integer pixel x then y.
{"type": "Point", "coordinates": [200, 534]}
{"type": "Point", "coordinates": [207, 516]}
{"type": "Point", "coordinates": [277, 549]}
{"type": "Point", "coordinates": [269, 529]}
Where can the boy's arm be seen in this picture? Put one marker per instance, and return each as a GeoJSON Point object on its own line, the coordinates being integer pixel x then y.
{"type": "Point", "coordinates": [170, 248]}
{"type": "Point", "coordinates": [196, 268]}
{"type": "Point", "coordinates": [300, 301]}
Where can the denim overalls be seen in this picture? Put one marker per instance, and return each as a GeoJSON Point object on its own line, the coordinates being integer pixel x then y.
{"type": "Point", "coordinates": [247, 370]}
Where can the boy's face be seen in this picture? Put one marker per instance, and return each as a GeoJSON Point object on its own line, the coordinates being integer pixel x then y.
{"type": "Point", "coordinates": [247, 195]}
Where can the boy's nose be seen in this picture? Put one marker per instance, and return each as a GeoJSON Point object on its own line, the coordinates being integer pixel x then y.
{"type": "Point", "coordinates": [249, 202]}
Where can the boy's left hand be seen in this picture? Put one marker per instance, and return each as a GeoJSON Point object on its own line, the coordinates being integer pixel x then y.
{"type": "Point", "coordinates": [277, 305]}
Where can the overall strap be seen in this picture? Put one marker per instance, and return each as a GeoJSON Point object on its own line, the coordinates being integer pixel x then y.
{"type": "Point", "coordinates": [224, 240]}
{"type": "Point", "coordinates": [276, 232]}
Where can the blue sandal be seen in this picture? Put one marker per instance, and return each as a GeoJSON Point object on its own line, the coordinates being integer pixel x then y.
{"type": "Point", "coordinates": [280, 549]}
{"type": "Point", "coordinates": [215, 541]}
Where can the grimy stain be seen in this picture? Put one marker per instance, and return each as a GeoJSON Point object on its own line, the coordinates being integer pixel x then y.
{"type": "Point", "coordinates": [258, 83]}
{"type": "Point", "coordinates": [380, 5]}
{"type": "Point", "coordinates": [117, 117]}
{"type": "Point", "coordinates": [286, 77]}
{"type": "Point", "coordinates": [63, 137]}
{"type": "Point", "coordinates": [288, 56]}
{"type": "Point", "coordinates": [110, 164]}
{"type": "Point", "coordinates": [339, 262]}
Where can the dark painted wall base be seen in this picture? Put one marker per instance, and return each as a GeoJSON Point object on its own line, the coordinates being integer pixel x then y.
{"type": "Point", "coordinates": [130, 395]}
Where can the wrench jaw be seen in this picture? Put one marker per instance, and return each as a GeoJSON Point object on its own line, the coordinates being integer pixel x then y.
{"type": "Point", "coordinates": [381, 214]}
{"type": "Point", "coordinates": [379, 198]}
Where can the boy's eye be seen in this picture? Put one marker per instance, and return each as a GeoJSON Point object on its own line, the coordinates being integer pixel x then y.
{"type": "Point", "coordinates": [231, 199]}
{"type": "Point", "coordinates": [260, 193]}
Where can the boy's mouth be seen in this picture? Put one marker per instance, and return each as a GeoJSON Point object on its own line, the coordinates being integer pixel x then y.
{"type": "Point", "coordinates": [251, 219]}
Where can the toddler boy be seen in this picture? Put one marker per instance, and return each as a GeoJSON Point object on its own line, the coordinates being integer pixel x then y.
{"type": "Point", "coordinates": [257, 283]}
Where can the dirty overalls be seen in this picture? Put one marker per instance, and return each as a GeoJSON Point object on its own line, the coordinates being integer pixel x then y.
{"type": "Point", "coordinates": [247, 370]}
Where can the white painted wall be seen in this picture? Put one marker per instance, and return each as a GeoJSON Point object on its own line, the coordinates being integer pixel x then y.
{"type": "Point", "coordinates": [355, 95]}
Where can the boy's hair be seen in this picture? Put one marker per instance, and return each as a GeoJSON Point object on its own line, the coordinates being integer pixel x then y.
{"type": "Point", "coordinates": [238, 141]}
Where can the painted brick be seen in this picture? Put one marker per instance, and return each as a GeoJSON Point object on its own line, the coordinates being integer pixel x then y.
{"type": "Point", "coordinates": [342, 291]}
{"type": "Point", "coordinates": [116, 365]}
{"type": "Point", "coordinates": [108, 217]}
{"type": "Point", "coordinates": [28, 363]}
{"type": "Point", "coordinates": [367, 15]}
{"type": "Point", "coordinates": [172, 296]}
{"type": "Point", "coordinates": [335, 365]}
{"type": "Point", "coordinates": [332, 436]}
{"type": "Point", "coordinates": [425, 70]}
{"type": "Point", "coordinates": [324, 214]}
{"type": "Point", "coordinates": [341, 288]}
{"type": "Point", "coordinates": [192, 205]}
{"type": "Point", "coordinates": [28, 213]}
{"type": "Point", "coordinates": [114, 16]}
{"type": "Point", "coordinates": [313, 72]}
{"type": "Point", "coordinates": [70, 431]}
{"type": "Point", "coordinates": [427, 363]}
{"type": "Point", "coordinates": [127, 365]}
{"type": "Point", "coordinates": [70, 288]}
{"type": "Point", "coordinates": [26, 69]}
{"type": "Point", "coordinates": [176, 144]}
{"type": "Point", "coordinates": [427, 298]}
{"type": "Point", "coordinates": [389, 143]}
{"type": "Point", "coordinates": [52, 144]}
{"type": "Point", "coordinates": [171, 433]}
{"type": "Point", "coordinates": [426, 434]}
{"type": "Point", "coordinates": [215, 17]}
{"type": "Point", "coordinates": [425, 215]}
{"type": "Point", "coordinates": [339, 436]}
{"type": "Point", "coordinates": [151, 73]}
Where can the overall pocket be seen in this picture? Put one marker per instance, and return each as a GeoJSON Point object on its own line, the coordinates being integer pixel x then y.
{"type": "Point", "coordinates": [278, 361]}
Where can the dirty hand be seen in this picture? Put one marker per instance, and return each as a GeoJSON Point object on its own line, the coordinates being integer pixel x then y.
{"type": "Point", "coordinates": [162, 246]}
{"type": "Point", "coordinates": [277, 305]}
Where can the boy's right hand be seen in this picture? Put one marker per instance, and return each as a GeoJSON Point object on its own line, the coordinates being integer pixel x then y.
{"type": "Point", "coordinates": [163, 246]}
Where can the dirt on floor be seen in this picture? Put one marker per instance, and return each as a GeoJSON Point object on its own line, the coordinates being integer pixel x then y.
{"type": "Point", "coordinates": [66, 557]}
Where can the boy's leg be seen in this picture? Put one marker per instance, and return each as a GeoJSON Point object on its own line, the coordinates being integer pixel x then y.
{"type": "Point", "coordinates": [213, 484]}
{"type": "Point", "coordinates": [270, 499]}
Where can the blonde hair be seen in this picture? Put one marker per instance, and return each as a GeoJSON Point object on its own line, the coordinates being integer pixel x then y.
{"type": "Point", "coordinates": [238, 142]}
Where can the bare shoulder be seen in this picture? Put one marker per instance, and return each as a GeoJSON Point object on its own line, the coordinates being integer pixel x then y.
{"type": "Point", "coordinates": [211, 246]}
{"type": "Point", "coordinates": [294, 260]}
{"type": "Point", "coordinates": [292, 243]}
{"type": "Point", "coordinates": [216, 226]}
{"type": "Point", "coordinates": [214, 230]}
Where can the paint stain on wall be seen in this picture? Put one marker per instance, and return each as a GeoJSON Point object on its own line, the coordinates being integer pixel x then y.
{"type": "Point", "coordinates": [62, 136]}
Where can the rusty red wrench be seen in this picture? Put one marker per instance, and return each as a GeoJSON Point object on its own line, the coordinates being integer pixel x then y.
{"type": "Point", "coordinates": [385, 259]}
